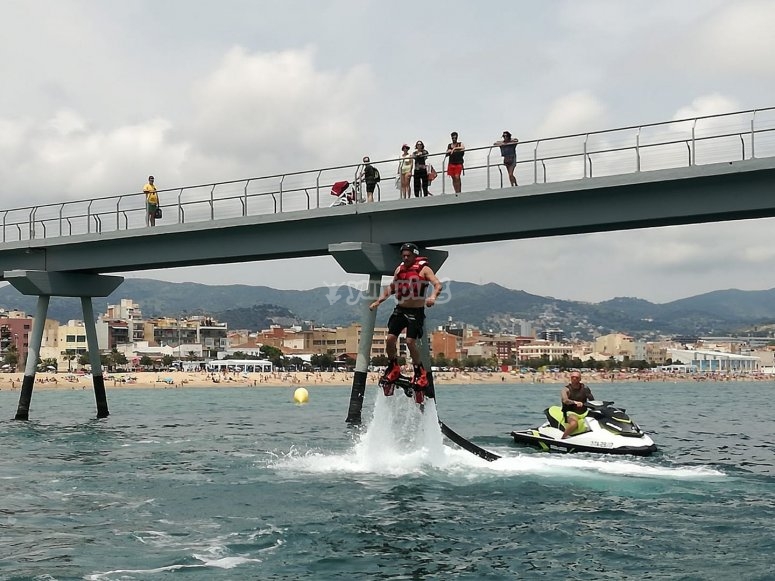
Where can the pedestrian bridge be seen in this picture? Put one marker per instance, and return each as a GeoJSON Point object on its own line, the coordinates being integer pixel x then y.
{"type": "Point", "coordinates": [704, 169]}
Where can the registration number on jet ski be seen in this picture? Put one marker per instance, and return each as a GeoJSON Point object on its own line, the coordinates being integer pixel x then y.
{"type": "Point", "coordinates": [601, 444]}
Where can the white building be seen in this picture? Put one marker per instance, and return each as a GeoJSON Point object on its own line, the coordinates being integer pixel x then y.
{"type": "Point", "coordinates": [712, 361]}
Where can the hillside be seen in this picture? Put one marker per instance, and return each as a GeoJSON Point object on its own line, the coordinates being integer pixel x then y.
{"type": "Point", "coordinates": [489, 307]}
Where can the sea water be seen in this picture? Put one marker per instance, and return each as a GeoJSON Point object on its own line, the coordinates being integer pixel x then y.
{"type": "Point", "coordinates": [241, 483]}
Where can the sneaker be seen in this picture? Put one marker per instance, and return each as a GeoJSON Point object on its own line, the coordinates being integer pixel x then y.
{"type": "Point", "coordinates": [392, 372]}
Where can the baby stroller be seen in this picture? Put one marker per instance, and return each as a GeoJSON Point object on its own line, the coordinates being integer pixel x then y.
{"type": "Point", "coordinates": [343, 192]}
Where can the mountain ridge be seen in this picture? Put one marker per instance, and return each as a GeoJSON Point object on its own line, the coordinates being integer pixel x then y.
{"type": "Point", "coordinates": [488, 306]}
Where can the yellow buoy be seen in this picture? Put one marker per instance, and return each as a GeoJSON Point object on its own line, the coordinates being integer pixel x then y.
{"type": "Point", "coordinates": [301, 395]}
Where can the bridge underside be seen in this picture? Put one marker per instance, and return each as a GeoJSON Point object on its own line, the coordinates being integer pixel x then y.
{"type": "Point", "coordinates": [711, 193]}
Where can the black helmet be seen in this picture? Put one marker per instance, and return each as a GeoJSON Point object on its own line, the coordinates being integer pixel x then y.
{"type": "Point", "coordinates": [412, 247]}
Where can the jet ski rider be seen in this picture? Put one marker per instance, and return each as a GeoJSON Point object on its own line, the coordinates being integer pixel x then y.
{"type": "Point", "coordinates": [574, 396]}
{"type": "Point", "coordinates": [410, 281]}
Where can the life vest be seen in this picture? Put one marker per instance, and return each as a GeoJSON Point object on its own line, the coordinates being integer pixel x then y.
{"type": "Point", "coordinates": [408, 282]}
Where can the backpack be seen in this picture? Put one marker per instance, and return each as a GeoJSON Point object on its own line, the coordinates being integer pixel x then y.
{"type": "Point", "coordinates": [376, 175]}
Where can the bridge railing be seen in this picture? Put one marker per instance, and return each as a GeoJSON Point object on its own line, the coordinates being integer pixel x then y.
{"type": "Point", "coordinates": [680, 143]}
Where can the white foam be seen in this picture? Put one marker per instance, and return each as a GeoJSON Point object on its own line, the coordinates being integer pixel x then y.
{"type": "Point", "coordinates": [220, 563]}
{"type": "Point", "coordinates": [401, 440]}
{"type": "Point", "coordinates": [569, 466]}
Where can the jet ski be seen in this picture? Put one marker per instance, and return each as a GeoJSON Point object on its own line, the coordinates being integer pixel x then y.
{"type": "Point", "coordinates": [605, 429]}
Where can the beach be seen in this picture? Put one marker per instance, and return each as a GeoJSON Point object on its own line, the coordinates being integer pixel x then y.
{"type": "Point", "coordinates": [179, 379]}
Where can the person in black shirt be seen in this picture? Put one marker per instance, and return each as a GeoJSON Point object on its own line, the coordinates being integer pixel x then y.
{"type": "Point", "coordinates": [369, 176]}
{"type": "Point", "coordinates": [420, 156]}
{"type": "Point", "coordinates": [573, 397]}
{"type": "Point", "coordinates": [455, 151]}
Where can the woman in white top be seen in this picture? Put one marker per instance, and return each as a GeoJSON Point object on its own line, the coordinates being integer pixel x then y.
{"type": "Point", "coordinates": [405, 168]}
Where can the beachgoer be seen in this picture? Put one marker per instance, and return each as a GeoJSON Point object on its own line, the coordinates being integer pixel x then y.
{"type": "Point", "coordinates": [573, 397]}
{"type": "Point", "coordinates": [405, 168]}
{"type": "Point", "coordinates": [410, 281]}
{"type": "Point", "coordinates": [509, 152]}
{"type": "Point", "coordinates": [420, 156]}
{"type": "Point", "coordinates": [369, 176]}
{"type": "Point", "coordinates": [151, 202]}
{"type": "Point", "coordinates": [455, 150]}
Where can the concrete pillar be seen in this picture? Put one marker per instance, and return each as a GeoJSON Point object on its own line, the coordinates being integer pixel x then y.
{"type": "Point", "coordinates": [368, 317]}
{"type": "Point", "coordinates": [62, 284]}
{"type": "Point", "coordinates": [94, 358]}
{"type": "Point", "coordinates": [33, 352]}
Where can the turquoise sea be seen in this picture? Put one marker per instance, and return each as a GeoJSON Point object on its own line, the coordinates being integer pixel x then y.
{"type": "Point", "coordinates": [233, 483]}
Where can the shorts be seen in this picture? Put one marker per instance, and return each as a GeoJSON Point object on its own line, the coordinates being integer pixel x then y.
{"type": "Point", "coordinates": [510, 161]}
{"type": "Point", "coordinates": [579, 413]}
{"type": "Point", "coordinates": [152, 208]}
{"type": "Point", "coordinates": [370, 187]}
{"type": "Point", "coordinates": [411, 319]}
{"type": "Point", "coordinates": [454, 170]}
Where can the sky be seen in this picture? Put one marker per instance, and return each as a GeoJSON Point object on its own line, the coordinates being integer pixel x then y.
{"type": "Point", "coordinates": [98, 95]}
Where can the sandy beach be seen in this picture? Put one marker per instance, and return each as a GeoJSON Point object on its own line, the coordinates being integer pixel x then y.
{"type": "Point", "coordinates": [171, 380]}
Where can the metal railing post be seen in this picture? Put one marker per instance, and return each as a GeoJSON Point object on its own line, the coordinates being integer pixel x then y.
{"type": "Point", "coordinates": [118, 213]}
{"type": "Point", "coordinates": [31, 225]}
{"type": "Point", "coordinates": [693, 157]}
{"type": "Point", "coordinates": [181, 213]}
{"type": "Point", "coordinates": [88, 217]}
{"type": "Point", "coordinates": [586, 139]}
{"type": "Point", "coordinates": [753, 135]}
{"type": "Point", "coordinates": [212, 203]}
{"type": "Point", "coordinates": [489, 152]}
{"type": "Point", "coordinates": [637, 150]}
{"type": "Point", "coordinates": [245, 199]}
{"type": "Point", "coordinates": [281, 193]}
{"type": "Point", "coordinates": [535, 164]}
{"type": "Point", "coordinates": [317, 187]}
{"type": "Point", "coordinates": [61, 210]}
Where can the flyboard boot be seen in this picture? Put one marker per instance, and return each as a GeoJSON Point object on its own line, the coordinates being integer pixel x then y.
{"type": "Point", "coordinates": [419, 382]}
{"type": "Point", "coordinates": [388, 379]}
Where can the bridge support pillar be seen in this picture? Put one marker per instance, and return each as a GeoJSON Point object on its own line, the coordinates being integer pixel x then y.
{"type": "Point", "coordinates": [64, 284]}
{"type": "Point", "coordinates": [376, 260]}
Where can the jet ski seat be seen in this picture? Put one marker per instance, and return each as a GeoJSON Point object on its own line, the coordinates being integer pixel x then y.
{"type": "Point", "coordinates": [557, 419]}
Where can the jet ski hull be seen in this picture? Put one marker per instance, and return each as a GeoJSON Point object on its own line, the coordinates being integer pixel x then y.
{"type": "Point", "coordinates": [549, 444]}
{"type": "Point", "coordinates": [606, 430]}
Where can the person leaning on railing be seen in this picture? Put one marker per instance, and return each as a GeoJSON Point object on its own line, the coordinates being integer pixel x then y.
{"type": "Point", "coordinates": [509, 152]}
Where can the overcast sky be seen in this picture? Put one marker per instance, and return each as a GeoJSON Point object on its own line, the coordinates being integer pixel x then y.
{"type": "Point", "coordinates": [97, 95]}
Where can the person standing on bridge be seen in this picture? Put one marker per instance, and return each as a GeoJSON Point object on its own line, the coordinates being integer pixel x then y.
{"type": "Point", "coordinates": [509, 152]}
{"type": "Point", "coordinates": [151, 202]}
{"type": "Point", "coordinates": [410, 281]}
{"type": "Point", "coordinates": [405, 170]}
{"type": "Point", "coordinates": [455, 151]}
{"type": "Point", "coordinates": [370, 176]}
{"type": "Point", "coordinates": [420, 156]}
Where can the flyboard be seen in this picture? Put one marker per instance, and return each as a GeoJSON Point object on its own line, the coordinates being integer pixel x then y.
{"type": "Point", "coordinates": [410, 389]}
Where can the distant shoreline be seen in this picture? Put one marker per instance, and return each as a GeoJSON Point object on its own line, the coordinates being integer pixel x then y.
{"type": "Point", "coordinates": [167, 380]}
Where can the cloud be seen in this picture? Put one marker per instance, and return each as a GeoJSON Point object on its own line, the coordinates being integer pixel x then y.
{"type": "Point", "coordinates": [737, 38]}
{"type": "Point", "coordinates": [66, 157]}
{"type": "Point", "coordinates": [273, 110]}
{"type": "Point", "coordinates": [575, 112]}
{"type": "Point", "coordinates": [253, 114]}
